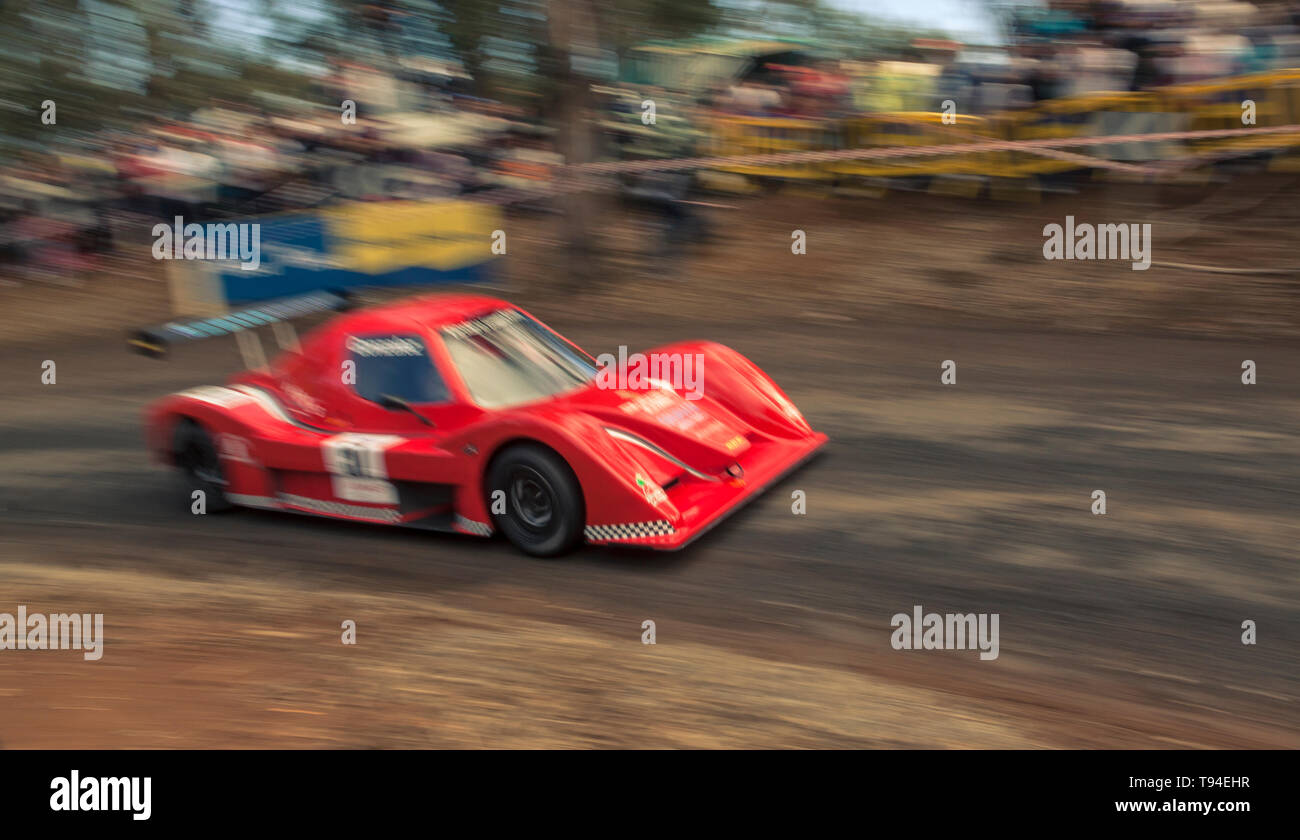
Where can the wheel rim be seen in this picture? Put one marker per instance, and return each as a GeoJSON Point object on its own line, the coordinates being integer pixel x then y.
{"type": "Point", "coordinates": [532, 498]}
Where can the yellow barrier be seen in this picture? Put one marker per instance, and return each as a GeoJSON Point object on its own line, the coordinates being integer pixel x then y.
{"type": "Point", "coordinates": [770, 135]}
{"type": "Point", "coordinates": [913, 129]}
{"type": "Point", "coordinates": [1204, 105]}
{"type": "Point", "coordinates": [1219, 104]}
{"type": "Point", "coordinates": [1090, 115]}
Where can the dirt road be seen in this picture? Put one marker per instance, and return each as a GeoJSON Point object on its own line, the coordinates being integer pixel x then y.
{"type": "Point", "coordinates": [1120, 630]}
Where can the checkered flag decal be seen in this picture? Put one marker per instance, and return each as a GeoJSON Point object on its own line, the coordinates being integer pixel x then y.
{"type": "Point", "coordinates": [341, 509]}
{"type": "Point", "coordinates": [469, 526]}
{"type": "Point", "coordinates": [629, 530]}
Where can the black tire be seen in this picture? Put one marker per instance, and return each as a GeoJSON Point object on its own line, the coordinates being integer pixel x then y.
{"type": "Point", "coordinates": [195, 455]}
{"type": "Point", "coordinates": [544, 508]}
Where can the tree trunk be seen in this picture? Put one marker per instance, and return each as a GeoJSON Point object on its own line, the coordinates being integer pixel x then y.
{"type": "Point", "coordinates": [572, 27]}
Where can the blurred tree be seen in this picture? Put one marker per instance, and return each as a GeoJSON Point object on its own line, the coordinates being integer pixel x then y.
{"type": "Point", "coordinates": [112, 64]}
{"type": "Point", "coordinates": [468, 24]}
{"type": "Point", "coordinates": [569, 40]}
{"type": "Point", "coordinates": [45, 55]}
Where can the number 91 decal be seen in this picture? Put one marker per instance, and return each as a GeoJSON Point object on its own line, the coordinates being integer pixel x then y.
{"type": "Point", "coordinates": [357, 468]}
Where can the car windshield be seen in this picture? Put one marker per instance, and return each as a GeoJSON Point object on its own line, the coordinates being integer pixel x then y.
{"type": "Point", "coordinates": [507, 358]}
{"type": "Point", "coordinates": [395, 366]}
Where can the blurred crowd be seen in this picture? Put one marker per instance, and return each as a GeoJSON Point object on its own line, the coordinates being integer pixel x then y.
{"type": "Point", "coordinates": [1061, 49]}
{"type": "Point", "coordinates": [65, 207]}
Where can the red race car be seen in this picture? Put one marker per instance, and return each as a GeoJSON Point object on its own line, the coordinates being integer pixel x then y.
{"type": "Point", "coordinates": [464, 413]}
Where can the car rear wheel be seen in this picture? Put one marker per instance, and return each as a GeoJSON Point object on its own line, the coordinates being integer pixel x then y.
{"type": "Point", "coordinates": [195, 454]}
{"type": "Point", "coordinates": [544, 512]}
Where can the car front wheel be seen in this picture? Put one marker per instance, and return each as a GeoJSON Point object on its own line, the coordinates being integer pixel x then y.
{"type": "Point", "coordinates": [544, 512]}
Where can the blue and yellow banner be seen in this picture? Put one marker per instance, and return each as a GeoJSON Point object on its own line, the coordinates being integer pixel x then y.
{"type": "Point", "coordinates": [365, 244]}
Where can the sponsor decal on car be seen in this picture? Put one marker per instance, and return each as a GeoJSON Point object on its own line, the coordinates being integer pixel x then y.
{"type": "Point", "coordinates": [304, 400]}
{"type": "Point", "coordinates": [391, 346]}
{"type": "Point", "coordinates": [651, 402]}
{"type": "Point", "coordinates": [654, 494]}
{"type": "Point", "coordinates": [235, 448]}
{"type": "Point", "coordinates": [668, 410]}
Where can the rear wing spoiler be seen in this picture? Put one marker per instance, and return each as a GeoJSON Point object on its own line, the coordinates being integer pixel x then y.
{"type": "Point", "coordinates": [156, 341]}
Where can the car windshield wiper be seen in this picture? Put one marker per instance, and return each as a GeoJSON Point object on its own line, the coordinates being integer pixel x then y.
{"type": "Point", "coordinates": [391, 402]}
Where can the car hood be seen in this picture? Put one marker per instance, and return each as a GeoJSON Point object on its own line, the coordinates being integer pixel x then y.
{"type": "Point", "coordinates": [699, 435]}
